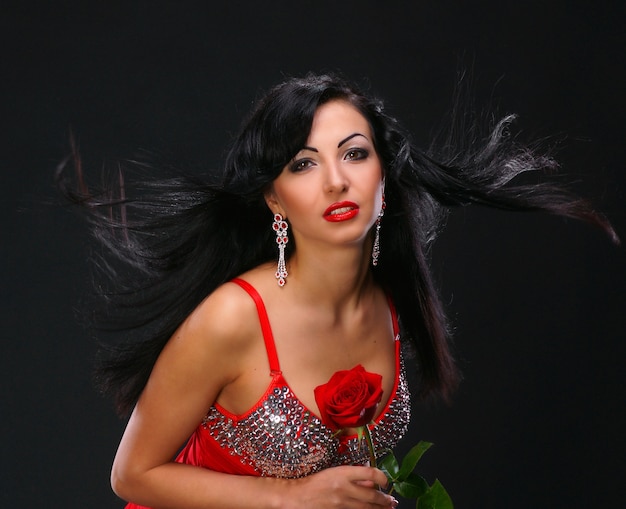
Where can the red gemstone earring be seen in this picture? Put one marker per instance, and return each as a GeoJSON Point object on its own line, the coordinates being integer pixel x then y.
{"type": "Point", "coordinates": [280, 227]}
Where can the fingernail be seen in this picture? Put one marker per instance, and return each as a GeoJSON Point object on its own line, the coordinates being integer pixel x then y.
{"type": "Point", "coordinates": [394, 502]}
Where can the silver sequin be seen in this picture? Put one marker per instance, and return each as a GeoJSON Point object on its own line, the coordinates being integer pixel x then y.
{"type": "Point", "coordinates": [283, 439]}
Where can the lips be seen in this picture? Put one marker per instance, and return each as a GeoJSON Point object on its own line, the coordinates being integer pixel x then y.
{"type": "Point", "coordinates": [341, 211]}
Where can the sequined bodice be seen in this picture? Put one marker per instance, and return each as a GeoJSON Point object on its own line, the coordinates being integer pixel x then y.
{"type": "Point", "coordinates": [280, 437]}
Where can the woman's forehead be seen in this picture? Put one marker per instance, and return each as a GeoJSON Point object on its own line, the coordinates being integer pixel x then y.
{"type": "Point", "coordinates": [336, 120]}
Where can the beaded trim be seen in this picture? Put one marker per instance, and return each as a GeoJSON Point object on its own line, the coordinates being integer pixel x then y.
{"type": "Point", "coordinates": [283, 439]}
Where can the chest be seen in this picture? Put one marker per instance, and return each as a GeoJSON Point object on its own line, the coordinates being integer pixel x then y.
{"type": "Point", "coordinates": [308, 355]}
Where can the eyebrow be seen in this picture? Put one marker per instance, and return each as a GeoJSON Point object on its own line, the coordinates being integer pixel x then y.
{"type": "Point", "coordinates": [313, 149]}
{"type": "Point", "coordinates": [349, 138]}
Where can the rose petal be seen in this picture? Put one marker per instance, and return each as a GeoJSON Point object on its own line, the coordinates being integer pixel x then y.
{"type": "Point", "coordinates": [350, 398]}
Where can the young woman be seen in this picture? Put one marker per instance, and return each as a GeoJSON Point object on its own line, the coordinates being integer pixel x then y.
{"type": "Point", "coordinates": [307, 259]}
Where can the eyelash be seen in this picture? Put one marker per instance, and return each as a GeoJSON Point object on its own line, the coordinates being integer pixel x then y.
{"type": "Point", "coordinates": [361, 153]}
{"type": "Point", "coordinates": [299, 165]}
{"type": "Point", "coordinates": [354, 154]}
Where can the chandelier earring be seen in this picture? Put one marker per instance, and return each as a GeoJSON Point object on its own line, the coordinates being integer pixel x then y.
{"type": "Point", "coordinates": [376, 248]}
{"type": "Point", "coordinates": [280, 227]}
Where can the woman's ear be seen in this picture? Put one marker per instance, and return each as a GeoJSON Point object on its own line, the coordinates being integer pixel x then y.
{"type": "Point", "coordinates": [272, 203]}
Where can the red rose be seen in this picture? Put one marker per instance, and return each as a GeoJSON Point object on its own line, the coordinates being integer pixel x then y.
{"type": "Point", "coordinates": [349, 399]}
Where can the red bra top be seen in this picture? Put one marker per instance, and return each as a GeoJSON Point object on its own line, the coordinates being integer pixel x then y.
{"type": "Point", "coordinates": [279, 436]}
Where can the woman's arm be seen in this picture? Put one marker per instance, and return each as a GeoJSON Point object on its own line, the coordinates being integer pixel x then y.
{"type": "Point", "coordinates": [203, 357]}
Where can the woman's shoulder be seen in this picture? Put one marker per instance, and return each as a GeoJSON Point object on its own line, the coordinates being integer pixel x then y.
{"type": "Point", "coordinates": [214, 344]}
{"type": "Point", "coordinates": [227, 314]}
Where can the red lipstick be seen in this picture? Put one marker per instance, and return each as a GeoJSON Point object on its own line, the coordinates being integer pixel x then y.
{"type": "Point", "coordinates": [341, 211]}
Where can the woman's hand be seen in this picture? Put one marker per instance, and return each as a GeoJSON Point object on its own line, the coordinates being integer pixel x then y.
{"type": "Point", "coordinates": [344, 487]}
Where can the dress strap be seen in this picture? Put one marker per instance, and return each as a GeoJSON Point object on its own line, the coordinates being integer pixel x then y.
{"type": "Point", "coordinates": [268, 337]}
{"type": "Point", "coordinates": [394, 317]}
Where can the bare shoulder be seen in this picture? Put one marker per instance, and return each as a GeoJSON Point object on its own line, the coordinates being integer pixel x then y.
{"type": "Point", "coordinates": [226, 319]}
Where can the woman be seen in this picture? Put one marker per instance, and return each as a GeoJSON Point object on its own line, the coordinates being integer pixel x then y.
{"type": "Point", "coordinates": [239, 333]}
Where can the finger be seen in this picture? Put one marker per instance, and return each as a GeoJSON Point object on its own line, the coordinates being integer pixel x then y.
{"type": "Point", "coordinates": [375, 499]}
{"type": "Point", "coordinates": [378, 477]}
{"type": "Point", "coordinates": [366, 474]}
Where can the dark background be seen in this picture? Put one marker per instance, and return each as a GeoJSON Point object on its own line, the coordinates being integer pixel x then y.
{"type": "Point", "coordinates": [538, 303]}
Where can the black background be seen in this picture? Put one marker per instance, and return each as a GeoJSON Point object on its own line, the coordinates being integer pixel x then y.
{"type": "Point", "coordinates": [538, 303]}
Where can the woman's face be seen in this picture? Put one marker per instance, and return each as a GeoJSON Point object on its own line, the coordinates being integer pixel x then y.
{"type": "Point", "coordinates": [331, 192]}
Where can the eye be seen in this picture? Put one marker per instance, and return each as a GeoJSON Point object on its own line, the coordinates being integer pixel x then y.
{"type": "Point", "coordinates": [300, 165]}
{"type": "Point", "coordinates": [356, 154]}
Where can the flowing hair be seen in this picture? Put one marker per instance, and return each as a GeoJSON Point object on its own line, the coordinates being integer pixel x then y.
{"type": "Point", "coordinates": [181, 237]}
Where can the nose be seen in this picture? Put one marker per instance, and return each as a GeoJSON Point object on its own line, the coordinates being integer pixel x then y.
{"type": "Point", "coordinates": [335, 179]}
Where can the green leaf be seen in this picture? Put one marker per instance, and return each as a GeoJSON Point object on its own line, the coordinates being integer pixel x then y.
{"type": "Point", "coordinates": [413, 487]}
{"type": "Point", "coordinates": [411, 459]}
{"type": "Point", "coordinates": [389, 465]}
{"type": "Point", "coordinates": [435, 498]}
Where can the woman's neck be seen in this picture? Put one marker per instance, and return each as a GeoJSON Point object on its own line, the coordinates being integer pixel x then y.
{"type": "Point", "coordinates": [338, 278]}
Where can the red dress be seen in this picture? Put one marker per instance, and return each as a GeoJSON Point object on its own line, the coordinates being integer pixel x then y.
{"type": "Point", "coordinates": [279, 436]}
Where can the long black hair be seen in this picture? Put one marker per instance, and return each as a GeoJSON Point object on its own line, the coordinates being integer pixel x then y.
{"type": "Point", "coordinates": [182, 237]}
